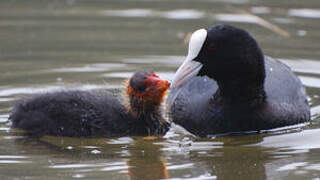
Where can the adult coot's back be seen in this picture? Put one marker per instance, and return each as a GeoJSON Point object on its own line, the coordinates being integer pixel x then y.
{"type": "Point", "coordinates": [88, 114]}
{"type": "Point", "coordinates": [227, 85]}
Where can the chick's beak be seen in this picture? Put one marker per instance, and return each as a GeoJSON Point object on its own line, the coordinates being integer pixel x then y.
{"type": "Point", "coordinates": [162, 84]}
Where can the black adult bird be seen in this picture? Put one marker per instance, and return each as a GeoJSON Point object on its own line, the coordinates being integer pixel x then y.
{"type": "Point", "coordinates": [227, 85]}
{"type": "Point", "coordinates": [88, 114]}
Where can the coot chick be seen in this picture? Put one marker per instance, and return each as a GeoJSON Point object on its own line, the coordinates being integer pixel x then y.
{"type": "Point", "coordinates": [227, 85]}
{"type": "Point", "coordinates": [100, 114]}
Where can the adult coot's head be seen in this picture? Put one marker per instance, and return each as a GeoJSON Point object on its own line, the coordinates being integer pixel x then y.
{"type": "Point", "coordinates": [225, 53]}
{"type": "Point", "coordinates": [145, 87]}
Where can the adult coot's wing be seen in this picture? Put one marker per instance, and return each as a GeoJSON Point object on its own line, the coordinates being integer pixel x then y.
{"type": "Point", "coordinates": [285, 94]}
{"type": "Point", "coordinates": [281, 83]}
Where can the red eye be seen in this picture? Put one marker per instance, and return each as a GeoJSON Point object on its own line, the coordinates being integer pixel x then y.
{"type": "Point", "coordinates": [212, 47]}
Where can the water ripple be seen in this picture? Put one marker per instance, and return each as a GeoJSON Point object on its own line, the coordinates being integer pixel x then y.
{"type": "Point", "coordinates": [44, 89]}
{"type": "Point", "coordinates": [124, 75]}
{"type": "Point", "coordinates": [92, 68]}
{"type": "Point", "coordinates": [14, 162]}
{"type": "Point", "coordinates": [186, 145]}
{"type": "Point", "coordinates": [121, 140]}
{"type": "Point", "coordinates": [115, 168]}
{"type": "Point", "coordinates": [133, 13]}
{"type": "Point", "coordinates": [291, 166]}
{"type": "Point", "coordinates": [315, 110]}
{"type": "Point", "coordinates": [82, 165]}
{"type": "Point", "coordinates": [305, 13]}
{"type": "Point", "coordinates": [260, 10]}
{"type": "Point", "coordinates": [6, 100]}
{"type": "Point", "coordinates": [293, 142]}
{"type": "Point", "coordinates": [183, 14]}
{"type": "Point", "coordinates": [240, 18]}
{"type": "Point", "coordinates": [310, 81]}
{"type": "Point", "coordinates": [179, 14]}
{"type": "Point", "coordinates": [315, 167]}
{"type": "Point", "coordinates": [12, 157]}
{"type": "Point", "coordinates": [181, 166]}
{"type": "Point", "coordinates": [4, 118]}
{"type": "Point", "coordinates": [303, 65]}
{"type": "Point", "coordinates": [166, 60]}
{"type": "Point", "coordinates": [201, 177]}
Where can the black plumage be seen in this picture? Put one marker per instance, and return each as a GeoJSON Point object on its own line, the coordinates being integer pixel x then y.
{"type": "Point", "coordinates": [237, 88]}
{"type": "Point", "coordinates": [93, 114]}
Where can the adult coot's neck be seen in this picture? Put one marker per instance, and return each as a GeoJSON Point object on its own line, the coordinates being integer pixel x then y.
{"type": "Point", "coordinates": [239, 67]}
{"type": "Point", "coordinates": [240, 91]}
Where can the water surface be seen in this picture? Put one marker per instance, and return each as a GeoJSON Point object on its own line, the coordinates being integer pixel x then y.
{"type": "Point", "coordinates": [92, 45]}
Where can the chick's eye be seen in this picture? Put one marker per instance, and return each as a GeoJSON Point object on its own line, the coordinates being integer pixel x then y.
{"type": "Point", "coordinates": [141, 87]}
{"type": "Point", "coordinates": [212, 47]}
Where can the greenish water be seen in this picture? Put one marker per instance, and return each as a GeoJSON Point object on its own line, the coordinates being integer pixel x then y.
{"type": "Point", "coordinates": [49, 45]}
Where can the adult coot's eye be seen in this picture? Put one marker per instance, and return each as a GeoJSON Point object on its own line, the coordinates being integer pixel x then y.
{"type": "Point", "coordinates": [212, 47]}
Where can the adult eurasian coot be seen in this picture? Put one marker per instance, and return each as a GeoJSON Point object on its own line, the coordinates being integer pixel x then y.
{"type": "Point", "coordinates": [227, 85]}
{"type": "Point", "coordinates": [99, 114]}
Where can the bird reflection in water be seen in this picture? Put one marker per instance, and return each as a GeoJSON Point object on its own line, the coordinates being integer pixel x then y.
{"type": "Point", "coordinates": [147, 161]}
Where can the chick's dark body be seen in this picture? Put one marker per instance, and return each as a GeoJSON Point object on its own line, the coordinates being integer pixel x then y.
{"type": "Point", "coordinates": [96, 114]}
{"type": "Point", "coordinates": [80, 114]}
